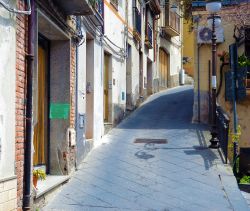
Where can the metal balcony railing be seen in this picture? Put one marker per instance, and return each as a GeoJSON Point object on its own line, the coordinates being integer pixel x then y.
{"type": "Point", "coordinates": [137, 21]}
{"type": "Point", "coordinates": [150, 34]}
{"type": "Point", "coordinates": [174, 21]}
{"type": "Point", "coordinates": [100, 7]}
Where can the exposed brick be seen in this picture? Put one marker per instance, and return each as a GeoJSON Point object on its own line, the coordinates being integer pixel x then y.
{"type": "Point", "coordinates": [21, 48]}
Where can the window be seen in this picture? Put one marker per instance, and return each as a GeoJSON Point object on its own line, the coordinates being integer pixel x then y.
{"type": "Point", "coordinates": [114, 3]}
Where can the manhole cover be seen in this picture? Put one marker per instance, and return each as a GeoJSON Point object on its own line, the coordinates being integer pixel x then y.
{"type": "Point", "coordinates": [150, 141]}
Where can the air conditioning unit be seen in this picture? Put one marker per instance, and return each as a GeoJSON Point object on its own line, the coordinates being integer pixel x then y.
{"type": "Point", "coordinates": [205, 35]}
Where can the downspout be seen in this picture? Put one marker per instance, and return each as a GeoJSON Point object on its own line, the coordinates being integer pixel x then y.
{"type": "Point", "coordinates": [28, 132]}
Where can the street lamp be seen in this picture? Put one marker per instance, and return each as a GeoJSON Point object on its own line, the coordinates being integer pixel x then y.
{"type": "Point", "coordinates": [214, 20]}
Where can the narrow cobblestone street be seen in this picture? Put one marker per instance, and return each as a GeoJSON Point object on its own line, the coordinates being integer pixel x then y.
{"type": "Point", "coordinates": [176, 172]}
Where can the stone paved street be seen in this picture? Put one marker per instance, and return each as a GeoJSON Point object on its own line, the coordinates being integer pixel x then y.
{"type": "Point", "coordinates": [182, 174]}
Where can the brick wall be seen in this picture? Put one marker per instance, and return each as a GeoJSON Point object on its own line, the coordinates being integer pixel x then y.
{"type": "Point", "coordinates": [21, 26]}
{"type": "Point", "coordinates": [21, 50]}
{"type": "Point", "coordinates": [72, 84]}
{"type": "Point", "coordinates": [8, 191]}
{"type": "Point", "coordinates": [72, 152]}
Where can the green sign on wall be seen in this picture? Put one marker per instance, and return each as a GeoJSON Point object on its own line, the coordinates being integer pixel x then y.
{"type": "Point", "coordinates": [59, 111]}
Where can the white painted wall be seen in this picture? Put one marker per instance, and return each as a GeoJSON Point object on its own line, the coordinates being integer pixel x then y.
{"type": "Point", "coordinates": [7, 92]}
{"type": "Point", "coordinates": [96, 65]}
{"type": "Point", "coordinates": [98, 91]}
{"type": "Point", "coordinates": [175, 56]}
{"type": "Point", "coordinates": [114, 30]}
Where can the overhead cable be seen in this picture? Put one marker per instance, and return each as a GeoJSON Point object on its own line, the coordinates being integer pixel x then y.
{"type": "Point", "coordinates": [14, 10]}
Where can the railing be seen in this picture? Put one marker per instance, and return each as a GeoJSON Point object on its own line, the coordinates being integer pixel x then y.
{"type": "Point", "coordinates": [98, 6]}
{"type": "Point", "coordinates": [222, 125]}
{"type": "Point", "coordinates": [137, 20]}
{"type": "Point", "coordinates": [150, 34]}
{"type": "Point", "coordinates": [172, 20]}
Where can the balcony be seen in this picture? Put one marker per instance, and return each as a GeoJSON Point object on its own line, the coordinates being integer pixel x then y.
{"type": "Point", "coordinates": [149, 36]}
{"type": "Point", "coordinates": [98, 14]}
{"type": "Point", "coordinates": [137, 24]}
{"type": "Point", "coordinates": [155, 7]}
{"type": "Point", "coordinates": [170, 22]}
{"type": "Point", "coordinates": [78, 7]}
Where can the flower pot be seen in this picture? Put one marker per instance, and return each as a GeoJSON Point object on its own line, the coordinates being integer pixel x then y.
{"type": "Point", "coordinates": [35, 179]}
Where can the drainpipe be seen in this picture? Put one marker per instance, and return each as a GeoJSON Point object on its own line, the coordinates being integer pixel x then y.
{"type": "Point", "coordinates": [28, 132]}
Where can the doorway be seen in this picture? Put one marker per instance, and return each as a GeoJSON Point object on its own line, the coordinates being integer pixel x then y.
{"type": "Point", "coordinates": [141, 74]}
{"type": "Point", "coordinates": [129, 99]}
{"type": "Point", "coordinates": [90, 89]}
{"type": "Point", "coordinates": [106, 83]}
{"type": "Point", "coordinates": [149, 78]}
{"type": "Point", "coordinates": [41, 129]}
{"type": "Point", "coordinates": [164, 68]}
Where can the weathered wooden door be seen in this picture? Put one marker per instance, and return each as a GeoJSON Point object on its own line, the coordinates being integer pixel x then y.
{"type": "Point", "coordinates": [41, 127]}
{"type": "Point", "coordinates": [164, 58]}
{"type": "Point", "coordinates": [106, 88]}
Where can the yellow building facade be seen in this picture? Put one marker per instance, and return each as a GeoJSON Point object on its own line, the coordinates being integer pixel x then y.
{"type": "Point", "coordinates": [188, 47]}
{"type": "Point", "coordinates": [202, 75]}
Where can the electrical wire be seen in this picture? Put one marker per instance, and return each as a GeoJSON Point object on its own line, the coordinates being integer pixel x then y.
{"type": "Point", "coordinates": [104, 36]}
{"type": "Point", "coordinates": [106, 40]}
{"type": "Point", "coordinates": [16, 11]}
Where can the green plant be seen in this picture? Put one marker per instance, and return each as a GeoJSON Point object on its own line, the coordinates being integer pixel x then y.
{"type": "Point", "coordinates": [39, 173]}
{"type": "Point", "coordinates": [245, 180]}
{"type": "Point", "coordinates": [243, 61]}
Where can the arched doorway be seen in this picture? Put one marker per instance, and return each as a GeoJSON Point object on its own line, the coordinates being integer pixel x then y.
{"type": "Point", "coordinates": [163, 68]}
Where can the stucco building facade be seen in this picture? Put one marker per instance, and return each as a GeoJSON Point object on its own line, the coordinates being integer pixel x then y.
{"type": "Point", "coordinates": [232, 15]}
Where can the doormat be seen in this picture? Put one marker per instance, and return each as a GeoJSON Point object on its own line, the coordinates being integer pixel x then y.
{"type": "Point", "coordinates": [150, 141]}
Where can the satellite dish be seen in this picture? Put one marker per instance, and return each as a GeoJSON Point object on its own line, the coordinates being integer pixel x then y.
{"type": "Point", "coordinates": [205, 34]}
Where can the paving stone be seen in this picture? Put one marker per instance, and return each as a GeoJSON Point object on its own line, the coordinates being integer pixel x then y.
{"type": "Point", "coordinates": [180, 175]}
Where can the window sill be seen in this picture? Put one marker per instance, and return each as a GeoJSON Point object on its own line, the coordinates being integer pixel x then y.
{"type": "Point", "coordinates": [5, 179]}
{"type": "Point", "coordinates": [49, 184]}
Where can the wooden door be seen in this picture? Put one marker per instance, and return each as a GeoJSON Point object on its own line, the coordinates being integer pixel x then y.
{"type": "Point", "coordinates": [141, 74]}
{"type": "Point", "coordinates": [41, 127]}
{"type": "Point", "coordinates": [163, 68]}
{"type": "Point", "coordinates": [106, 88]}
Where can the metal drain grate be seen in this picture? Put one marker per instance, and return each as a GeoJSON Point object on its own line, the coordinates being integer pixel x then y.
{"type": "Point", "coordinates": [150, 141]}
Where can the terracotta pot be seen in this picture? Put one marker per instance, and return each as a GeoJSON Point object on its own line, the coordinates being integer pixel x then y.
{"type": "Point", "coordinates": [35, 179]}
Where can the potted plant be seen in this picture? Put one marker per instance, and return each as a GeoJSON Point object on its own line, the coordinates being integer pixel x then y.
{"type": "Point", "coordinates": [38, 174]}
{"type": "Point", "coordinates": [244, 63]}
